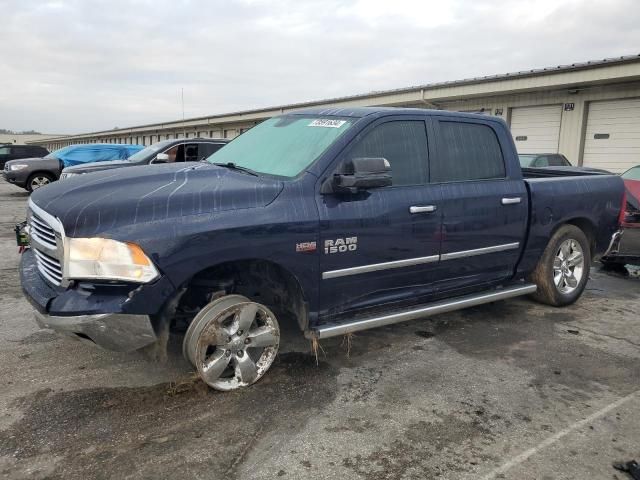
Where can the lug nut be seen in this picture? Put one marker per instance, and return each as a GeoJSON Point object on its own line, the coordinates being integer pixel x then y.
{"type": "Point", "coordinates": [247, 341]}
{"type": "Point", "coordinates": [239, 353]}
{"type": "Point", "coordinates": [240, 332]}
{"type": "Point", "coordinates": [228, 353]}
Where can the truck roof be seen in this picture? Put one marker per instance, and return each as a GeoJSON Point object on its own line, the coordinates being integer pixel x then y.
{"type": "Point", "coordinates": [359, 112]}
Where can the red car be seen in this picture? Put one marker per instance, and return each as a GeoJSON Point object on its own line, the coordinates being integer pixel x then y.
{"type": "Point", "coordinates": [627, 248]}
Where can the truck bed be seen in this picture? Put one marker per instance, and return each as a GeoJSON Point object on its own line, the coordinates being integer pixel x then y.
{"type": "Point", "coordinates": [561, 172]}
{"type": "Point", "coordinates": [588, 199]}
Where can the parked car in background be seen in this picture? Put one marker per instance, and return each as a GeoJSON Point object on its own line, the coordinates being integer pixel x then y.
{"type": "Point", "coordinates": [626, 250]}
{"type": "Point", "coordinates": [338, 219]}
{"type": "Point", "coordinates": [167, 151]}
{"type": "Point", "coordinates": [541, 160]}
{"type": "Point", "coordinates": [14, 152]}
{"type": "Point", "coordinates": [33, 173]}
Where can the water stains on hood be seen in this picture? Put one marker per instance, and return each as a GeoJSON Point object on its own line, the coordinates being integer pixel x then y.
{"type": "Point", "coordinates": [88, 205]}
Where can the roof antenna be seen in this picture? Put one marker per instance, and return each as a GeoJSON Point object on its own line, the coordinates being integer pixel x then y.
{"type": "Point", "coordinates": [184, 128]}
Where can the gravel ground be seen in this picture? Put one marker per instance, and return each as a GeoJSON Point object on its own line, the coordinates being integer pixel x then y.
{"type": "Point", "coordinates": [509, 390]}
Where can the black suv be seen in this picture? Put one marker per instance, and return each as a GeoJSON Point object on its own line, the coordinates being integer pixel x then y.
{"type": "Point", "coordinates": [14, 152]}
{"type": "Point", "coordinates": [166, 151]}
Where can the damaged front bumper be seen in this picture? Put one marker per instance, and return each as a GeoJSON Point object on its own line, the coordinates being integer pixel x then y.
{"type": "Point", "coordinates": [113, 331]}
{"type": "Point", "coordinates": [115, 317]}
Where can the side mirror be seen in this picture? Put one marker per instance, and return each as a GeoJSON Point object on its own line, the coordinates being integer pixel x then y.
{"type": "Point", "coordinates": [363, 174]}
{"type": "Point", "coordinates": [161, 158]}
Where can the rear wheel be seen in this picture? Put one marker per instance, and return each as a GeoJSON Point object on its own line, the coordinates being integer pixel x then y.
{"type": "Point", "coordinates": [38, 180]}
{"type": "Point", "coordinates": [562, 273]}
{"type": "Point", "coordinates": [232, 342]}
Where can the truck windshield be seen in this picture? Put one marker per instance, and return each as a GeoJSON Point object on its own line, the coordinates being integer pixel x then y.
{"type": "Point", "coordinates": [632, 173]}
{"type": "Point", "coordinates": [527, 160]}
{"type": "Point", "coordinates": [283, 146]}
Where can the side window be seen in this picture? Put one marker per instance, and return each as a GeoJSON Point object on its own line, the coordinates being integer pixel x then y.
{"type": "Point", "coordinates": [403, 144]}
{"type": "Point", "coordinates": [467, 151]}
{"type": "Point", "coordinates": [558, 161]}
{"type": "Point", "coordinates": [4, 150]}
{"type": "Point", "coordinates": [543, 161]}
{"type": "Point", "coordinates": [191, 152]}
{"type": "Point", "coordinates": [20, 152]}
{"type": "Point", "coordinates": [174, 154]}
{"type": "Point", "coordinates": [205, 150]}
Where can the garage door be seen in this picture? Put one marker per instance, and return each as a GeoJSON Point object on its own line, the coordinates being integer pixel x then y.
{"type": "Point", "coordinates": [612, 138]}
{"type": "Point", "coordinates": [536, 129]}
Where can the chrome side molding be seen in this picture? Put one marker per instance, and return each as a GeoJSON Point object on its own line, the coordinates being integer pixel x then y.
{"type": "Point", "coordinates": [379, 266]}
{"type": "Point", "coordinates": [443, 306]}
{"type": "Point", "coordinates": [408, 262]}
{"type": "Point", "coordinates": [479, 251]}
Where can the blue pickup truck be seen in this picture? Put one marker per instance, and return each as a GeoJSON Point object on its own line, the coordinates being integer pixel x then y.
{"type": "Point", "coordinates": [340, 220]}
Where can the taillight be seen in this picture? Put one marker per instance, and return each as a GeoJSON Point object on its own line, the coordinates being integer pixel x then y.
{"type": "Point", "coordinates": [623, 208]}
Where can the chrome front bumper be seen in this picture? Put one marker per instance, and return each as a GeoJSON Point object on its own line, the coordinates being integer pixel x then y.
{"type": "Point", "coordinates": [113, 331]}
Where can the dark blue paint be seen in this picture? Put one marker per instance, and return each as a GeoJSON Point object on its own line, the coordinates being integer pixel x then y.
{"type": "Point", "coordinates": [190, 217]}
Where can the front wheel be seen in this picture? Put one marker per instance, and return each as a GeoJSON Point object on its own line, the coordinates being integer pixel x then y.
{"type": "Point", "coordinates": [232, 342]}
{"type": "Point", "coordinates": [563, 270]}
{"type": "Point", "coordinates": [38, 180]}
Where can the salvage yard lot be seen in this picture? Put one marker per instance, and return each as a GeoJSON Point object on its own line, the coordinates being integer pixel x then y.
{"type": "Point", "coordinates": [507, 390]}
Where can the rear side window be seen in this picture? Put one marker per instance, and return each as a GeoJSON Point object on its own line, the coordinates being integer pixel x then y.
{"type": "Point", "coordinates": [558, 161]}
{"type": "Point", "coordinates": [207, 149]}
{"type": "Point", "coordinates": [403, 144]}
{"type": "Point", "coordinates": [467, 151]}
{"type": "Point", "coordinates": [20, 151]}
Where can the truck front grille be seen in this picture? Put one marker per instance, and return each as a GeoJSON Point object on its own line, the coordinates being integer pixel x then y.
{"type": "Point", "coordinates": [46, 234]}
{"type": "Point", "coordinates": [42, 231]}
{"type": "Point", "coordinates": [49, 267]}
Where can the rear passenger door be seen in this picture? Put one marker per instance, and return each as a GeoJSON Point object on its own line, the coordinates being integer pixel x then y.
{"type": "Point", "coordinates": [484, 203]}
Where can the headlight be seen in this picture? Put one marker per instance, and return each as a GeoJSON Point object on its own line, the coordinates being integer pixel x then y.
{"type": "Point", "coordinates": [105, 259]}
{"type": "Point", "coordinates": [17, 166]}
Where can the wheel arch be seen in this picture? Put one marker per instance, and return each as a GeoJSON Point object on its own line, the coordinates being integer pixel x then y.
{"type": "Point", "coordinates": [587, 226]}
{"type": "Point", "coordinates": [263, 281]}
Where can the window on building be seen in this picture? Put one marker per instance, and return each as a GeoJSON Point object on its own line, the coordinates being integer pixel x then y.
{"type": "Point", "coordinates": [467, 151]}
{"type": "Point", "coordinates": [403, 144]}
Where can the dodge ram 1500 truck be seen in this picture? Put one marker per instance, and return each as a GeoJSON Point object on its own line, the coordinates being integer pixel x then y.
{"type": "Point", "coordinates": [339, 219]}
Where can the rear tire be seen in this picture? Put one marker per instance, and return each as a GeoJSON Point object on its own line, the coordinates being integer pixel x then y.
{"type": "Point", "coordinates": [563, 270]}
{"type": "Point", "coordinates": [38, 180]}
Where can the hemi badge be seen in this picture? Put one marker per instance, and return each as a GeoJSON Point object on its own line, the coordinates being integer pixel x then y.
{"type": "Point", "coordinates": [306, 247]}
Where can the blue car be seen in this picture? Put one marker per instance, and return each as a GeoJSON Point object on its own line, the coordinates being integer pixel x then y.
{"type": "Point", "coordinates": [33, 173]}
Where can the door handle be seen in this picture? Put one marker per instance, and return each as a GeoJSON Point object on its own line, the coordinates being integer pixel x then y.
{"type": "Point", "coordinates": [422, 209]}
{"type": "Point", "coordinates": [511, 200]}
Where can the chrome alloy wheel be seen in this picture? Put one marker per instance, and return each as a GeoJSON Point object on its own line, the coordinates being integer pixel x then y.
{"type": "Point", "coordinates": [232, 342]}
{"type": "Point", "coordinates": [39, 181]}
{"type": "Point", "coordinates": [568, 266]}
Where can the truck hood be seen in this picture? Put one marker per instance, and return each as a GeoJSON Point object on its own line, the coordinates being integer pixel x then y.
{"type": "Point", "coordinates": [108, 200]}
{"type": "Point", "coordinates": [98, 166]}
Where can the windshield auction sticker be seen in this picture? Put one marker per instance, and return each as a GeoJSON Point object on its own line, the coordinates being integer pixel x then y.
{"type": "Point", "coordinates": [327, 123]}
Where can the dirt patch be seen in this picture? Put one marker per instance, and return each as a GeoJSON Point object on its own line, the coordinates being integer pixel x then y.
{"type": "Point", "coordinates": [166, 430]}
{"type": "Point", "coordinates": [41, 336]}
{"type": "Point", "coordinates": [412, 454]}
{"type": "Point", "coordinates": [509, 331]}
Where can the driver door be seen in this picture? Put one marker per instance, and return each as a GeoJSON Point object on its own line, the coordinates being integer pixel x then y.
{"type": "Point", "coordinates": [379, 246]}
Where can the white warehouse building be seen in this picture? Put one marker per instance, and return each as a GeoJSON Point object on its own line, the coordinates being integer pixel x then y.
{"type": "Point", "coordinates": [590, 112]}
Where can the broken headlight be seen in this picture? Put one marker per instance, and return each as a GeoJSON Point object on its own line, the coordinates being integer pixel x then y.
{"type": "Point", "coordinates": [106, 259]}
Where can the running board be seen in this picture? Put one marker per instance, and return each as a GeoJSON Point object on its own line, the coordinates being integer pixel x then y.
{"type": "Point", "coordinates": [443, 306]}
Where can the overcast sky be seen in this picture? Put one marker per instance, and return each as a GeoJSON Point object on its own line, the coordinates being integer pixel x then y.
{"type": "Point", "coordinates": [77, 66]}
